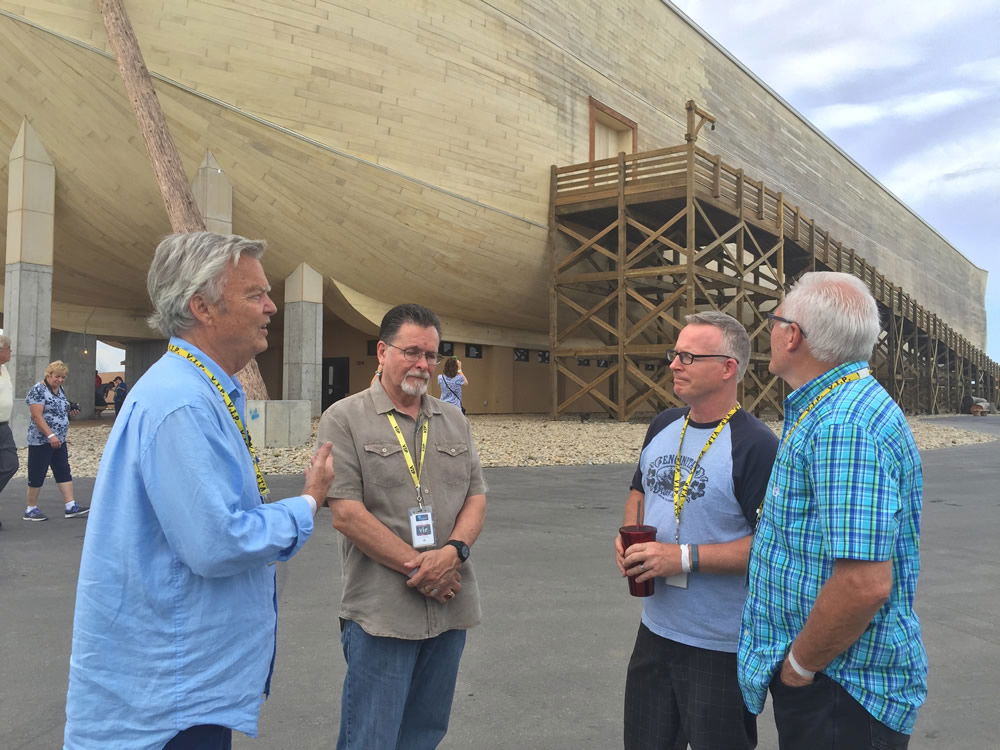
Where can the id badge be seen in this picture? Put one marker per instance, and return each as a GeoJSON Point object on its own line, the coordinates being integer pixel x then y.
{"type": "Point", "coordinates": [422, 527]}
{"type": "Point", "coordinates": [680, 580]}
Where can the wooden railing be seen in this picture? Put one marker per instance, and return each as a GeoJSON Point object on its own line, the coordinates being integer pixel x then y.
{"type": "Point", "coordinates": [666, 169]}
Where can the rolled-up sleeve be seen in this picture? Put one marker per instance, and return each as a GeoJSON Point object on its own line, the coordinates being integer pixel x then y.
{"type": "Point", "coordinates": [214, 519]}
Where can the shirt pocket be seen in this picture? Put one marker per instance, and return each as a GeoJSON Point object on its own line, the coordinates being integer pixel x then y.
{"type": "Point", "coordinates": [386, 465]}
{"type": "Point", "coordinates": [453, 459]}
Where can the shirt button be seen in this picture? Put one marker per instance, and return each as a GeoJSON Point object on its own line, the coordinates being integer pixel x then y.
{"type": "Point", "coordinates": [384, 450]}
{"type": "Point", "coordinates": [453, 451]}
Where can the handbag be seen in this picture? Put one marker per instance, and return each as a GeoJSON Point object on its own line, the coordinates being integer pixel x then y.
{"type": "Point", "coordinates": [454, 394]}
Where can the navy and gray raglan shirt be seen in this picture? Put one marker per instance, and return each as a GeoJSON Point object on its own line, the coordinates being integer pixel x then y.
{"type": "Point", "coordinates": [726, 490]}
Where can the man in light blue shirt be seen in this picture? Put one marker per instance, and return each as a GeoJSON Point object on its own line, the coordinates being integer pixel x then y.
{"type": "Point", "coordinates": [174, 632]}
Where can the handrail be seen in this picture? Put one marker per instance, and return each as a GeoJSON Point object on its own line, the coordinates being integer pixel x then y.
{"type": "Point", "coordinates": [668, 167]}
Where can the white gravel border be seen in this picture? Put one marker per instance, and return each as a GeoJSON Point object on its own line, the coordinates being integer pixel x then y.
{"type": "Point", "coordinates": [503, 440]}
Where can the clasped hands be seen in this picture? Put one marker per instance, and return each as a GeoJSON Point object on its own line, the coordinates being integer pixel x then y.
{"type": "Point", "coordinates": [435, 574]}
{"type": "Point", "coordinates": [647, 560]}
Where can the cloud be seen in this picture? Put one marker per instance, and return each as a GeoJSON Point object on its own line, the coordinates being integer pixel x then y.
{"type": "Point", "coordinates": [968, 165]}
{"type": "Point", "coordinates": [987, 71]}
{"type": "Point", "coordinates": [823, 67]}
{"type": "Point", "coordinates": [909, 107]}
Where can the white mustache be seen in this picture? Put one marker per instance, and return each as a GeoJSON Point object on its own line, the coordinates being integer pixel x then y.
{"type": "Point", "coordinates": [418, 374]}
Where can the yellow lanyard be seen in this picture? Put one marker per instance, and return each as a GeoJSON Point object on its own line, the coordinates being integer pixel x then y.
{"type": "Point", "coordinates": [681, 492]}
{"type": "Point", "coordinates": [261, 483]}
{"type": "Point", "coordinates": [414, 471]}
{"type": "Point", "coordinates": [862, 373]}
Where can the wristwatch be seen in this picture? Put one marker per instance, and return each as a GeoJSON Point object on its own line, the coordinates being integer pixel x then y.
{"type": "Point", "coordinates": [461, 547]}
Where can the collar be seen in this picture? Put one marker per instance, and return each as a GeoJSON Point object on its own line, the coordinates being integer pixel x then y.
{"type": "Point", "coordinates": [383, 404]}
{"type": "Point", "coordinates": [705, 425]}
{"type": "Point", "coordinates": [225, 380]}
{"type": "Point", "coordinates": [801, 396]}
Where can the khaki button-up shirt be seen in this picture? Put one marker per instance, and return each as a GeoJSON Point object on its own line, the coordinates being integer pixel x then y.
{"type": "Point", "coordinates": [371, 467]}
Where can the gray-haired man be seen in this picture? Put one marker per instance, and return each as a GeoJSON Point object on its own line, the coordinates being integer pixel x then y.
{"type": "Point", "coordinates": [409, 502]}
{"type": "Point", "coordinates": [174, 634]}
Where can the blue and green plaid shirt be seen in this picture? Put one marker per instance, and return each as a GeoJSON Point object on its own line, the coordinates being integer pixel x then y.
{"type": "Point", "coordinates": [846, 484]}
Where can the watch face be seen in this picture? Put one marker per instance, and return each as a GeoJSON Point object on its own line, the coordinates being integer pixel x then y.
{"type": "Point", "coordinates": [462, 548]}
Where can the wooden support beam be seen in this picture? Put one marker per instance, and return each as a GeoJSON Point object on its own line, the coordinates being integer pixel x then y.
{"type": "Point", "coordinates": [175, 190]}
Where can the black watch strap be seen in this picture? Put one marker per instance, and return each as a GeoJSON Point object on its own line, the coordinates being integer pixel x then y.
{"type": "Point", "coordinates": [461, 547]}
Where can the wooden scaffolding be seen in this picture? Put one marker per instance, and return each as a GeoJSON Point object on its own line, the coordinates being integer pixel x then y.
{"type": "Point", "coordinates": [640, 240]}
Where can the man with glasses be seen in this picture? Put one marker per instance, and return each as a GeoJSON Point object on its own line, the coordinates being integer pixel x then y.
{"type": "Point", "coordinates": [829, 625]}
{"type": "Point", "coordinates": [700, 481]}
{"type": "Point", "coordinates": [409, 501]}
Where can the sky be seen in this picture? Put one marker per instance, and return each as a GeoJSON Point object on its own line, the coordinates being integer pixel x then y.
{"type": "Point", "coordinates": [909, 89]}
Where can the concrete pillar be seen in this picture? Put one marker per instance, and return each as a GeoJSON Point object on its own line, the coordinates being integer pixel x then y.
{"type": "Point", "coordinates": [214, 195]}
{"type": "Point", "coordinates": [31, 187]}
{"type": "Point", "coordinates": [302, 356]}
{"type": "Point", "coordinates": [79, 352]}
{"type": "Point", "coordinates": [140, 356]}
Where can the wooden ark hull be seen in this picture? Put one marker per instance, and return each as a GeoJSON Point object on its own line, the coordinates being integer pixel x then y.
{"type": "Point", "coordinates": [404, 149]}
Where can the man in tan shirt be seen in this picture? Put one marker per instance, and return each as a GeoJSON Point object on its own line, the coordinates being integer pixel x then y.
{"type": "Point", "coordinates": [409, 500]}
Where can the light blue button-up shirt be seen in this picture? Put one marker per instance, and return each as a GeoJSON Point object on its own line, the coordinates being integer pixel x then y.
{"type": "Point", "coordinates": [175, 606]}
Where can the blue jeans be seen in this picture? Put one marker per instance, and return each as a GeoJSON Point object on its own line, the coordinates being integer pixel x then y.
{"type": "Point", "coordinates": [397, 693]}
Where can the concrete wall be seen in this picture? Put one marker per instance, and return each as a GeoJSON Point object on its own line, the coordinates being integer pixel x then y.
{"type": "Point", "coordinates": [79, 352]}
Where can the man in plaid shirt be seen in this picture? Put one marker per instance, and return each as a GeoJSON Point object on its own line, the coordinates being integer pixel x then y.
{"type": "Point", "coordinates": [829, 624]}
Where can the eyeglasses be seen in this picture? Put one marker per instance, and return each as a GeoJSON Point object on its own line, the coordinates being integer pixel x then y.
{"type": "Point", "coordinates": [772, 317]}
{"type": "Point", "coordinates": [687, 358]}
{"type": "Point", "coordinates": [413, 354]}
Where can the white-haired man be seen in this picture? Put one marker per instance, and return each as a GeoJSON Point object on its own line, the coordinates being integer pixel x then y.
{"type": "Point", "coordinates": [829, 625]}
{"type": "Point", "coordinates": [174, 633]}
{"type": "Point", "coordinates": [701, 478]}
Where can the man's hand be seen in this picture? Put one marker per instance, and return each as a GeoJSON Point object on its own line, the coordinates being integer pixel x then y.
{"type": "Point", "coordinates": [320, 474]}
{"type": "Point", "coordinates": [620, 554]}
{"type": "Point", "coordinates": [792, 678]}
{"type": "Point", "coordinates": [647, 560]}
{"type": "Point", "coordinates": [436, 573]}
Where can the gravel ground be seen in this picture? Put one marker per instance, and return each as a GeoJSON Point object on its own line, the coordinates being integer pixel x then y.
{"type": "Point", "coordinates": [503, 440]}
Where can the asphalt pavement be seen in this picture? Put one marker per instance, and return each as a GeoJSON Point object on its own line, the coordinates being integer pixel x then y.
{"type": "Point", "coordinates": [546, 668]}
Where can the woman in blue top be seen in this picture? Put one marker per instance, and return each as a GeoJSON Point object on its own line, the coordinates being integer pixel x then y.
{"type": "Point", "coordinates": [47, 432]}
{"type": "Point", "coordinates": [451, 382]}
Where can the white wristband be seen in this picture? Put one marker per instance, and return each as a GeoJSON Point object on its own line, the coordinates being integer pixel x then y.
{"type": "Point", "coordinates": [799, 669]}
{"type": "Point", "coordinates": [50, 436]}
{"type": "Point", "coordinates": [686, 558]}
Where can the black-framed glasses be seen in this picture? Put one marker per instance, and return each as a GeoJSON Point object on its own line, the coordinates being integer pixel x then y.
{"type": "Point", "coordinates": [772, 317]}
{"type": "Point", "coordinates": [413, 354]}
{"type": "Point", "coordinates": [687, 358]}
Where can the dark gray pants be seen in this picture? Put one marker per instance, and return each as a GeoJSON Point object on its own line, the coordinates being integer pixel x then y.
{"type": "Point", "coordinates": [824, 716]}
{"type": "Point", "coordinates": [8, 455]}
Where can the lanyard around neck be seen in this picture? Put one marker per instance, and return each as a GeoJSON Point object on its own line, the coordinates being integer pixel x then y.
{"type": "Point", "coordinates": [415, 473]}
{"type": "Point", "coordinates": [261, 483]}
{"type": "Point", "coordinates": [681, 491]}
{"type": "Point", "coordinates": [857, 375]}
{"type": "Point", "coordinates": [864, 372]}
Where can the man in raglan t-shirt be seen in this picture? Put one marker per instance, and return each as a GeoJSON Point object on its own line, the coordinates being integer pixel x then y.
{"type": "Point", "coordinates": [700, 481]}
